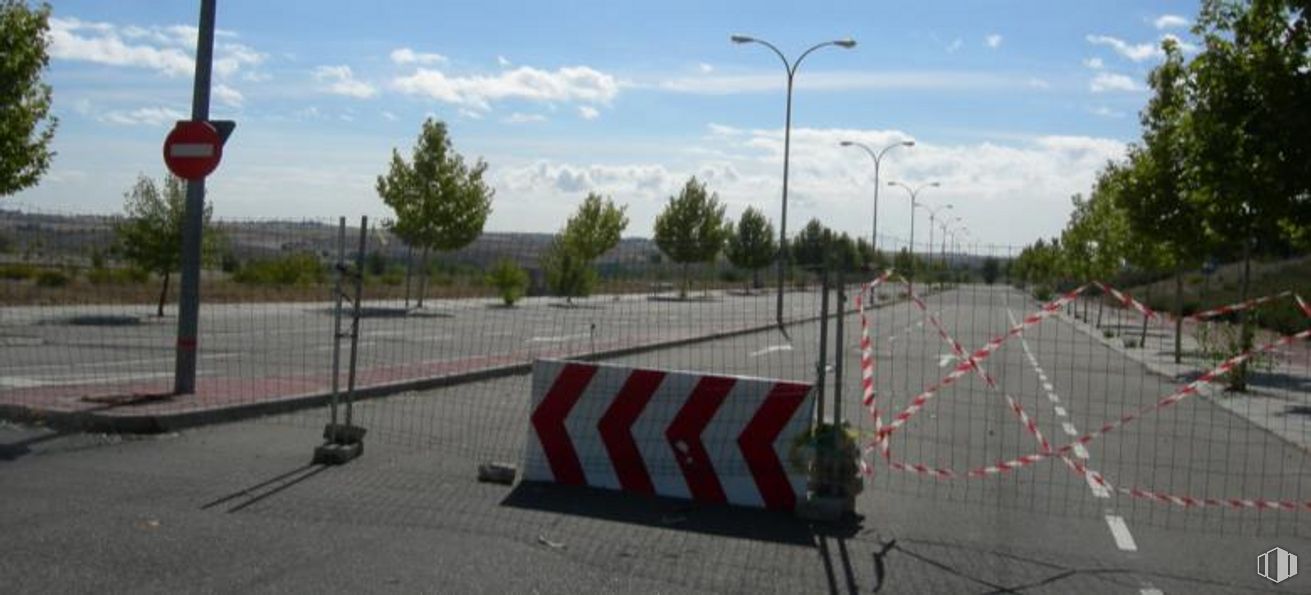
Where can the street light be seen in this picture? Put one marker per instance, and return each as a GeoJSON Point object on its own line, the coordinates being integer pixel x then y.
{"type": "Point", "coordinates": [878, 158]}
{"type": "Point", "coordinates": [791, 68]}
{"type": "Point", "coordinates": [914, 192]}
{"type": "Point", "coordinates": [933, 214]}
{"type": "Point", "coordinates": [942, 254]}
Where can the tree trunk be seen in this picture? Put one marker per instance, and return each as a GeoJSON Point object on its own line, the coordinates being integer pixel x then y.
{"type": "Point", "coordinates": [1142, 341]}
{"type": "Point", "coordinates": [755, 279]}
{"type": "Point", "coordinates": [1239, 375]}
{"type": "Point", "coordinates": [409, 269]}
{"type": "Point", "coordinates": [423, 277]}
{"type": "Point", "coordinates": [1178, 316]}
{"type": "Point", "coordinates": [163, 294]}
{"type": "Point", "coordinates": [682, 290]}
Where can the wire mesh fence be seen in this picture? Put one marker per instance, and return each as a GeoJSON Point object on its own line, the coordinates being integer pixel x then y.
{"type": "Point", "coordinates": [449, 337]}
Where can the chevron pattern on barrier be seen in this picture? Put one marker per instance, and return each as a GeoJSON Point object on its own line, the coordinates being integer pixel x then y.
{"type": "Point", "coordinates": [709, 438]}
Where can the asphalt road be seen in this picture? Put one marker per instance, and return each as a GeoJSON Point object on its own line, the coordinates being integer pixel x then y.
{"type": "Point", "coordinates": [235, 507]}
{"type": "Point", "coordinates": [89, 345]}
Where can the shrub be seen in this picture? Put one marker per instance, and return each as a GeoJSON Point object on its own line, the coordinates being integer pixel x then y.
{"type": "Point", "coordinates": [294, 269]}
{"type": "Point", "coordinates": [1042, 293]}
{"type": "Point", "coordinates": [17, 272]}
{"type": "Point", "coordinates": [51, 278]}
{"type": "Point", "coordinates": [509, 279]}
{"type": "Point", "coordinates": [104, 276]}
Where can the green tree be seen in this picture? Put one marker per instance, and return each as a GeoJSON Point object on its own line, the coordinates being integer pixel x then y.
{"type": "Point", "coordinates": [568, 274]}
{"type": "Point", "coordinates": [751, 246]}
{"type": "Point", "coordinates": [991, 270]}
{"type": "Point", "coordinates": [809, 247]}
{"type": "Point", "coordinates": [509, 279]}
{"type": "Point", "coordinates": [26, 126]}
{"type": "Point", "coordinates": [441, 203]}
{"type": "Point", "coordinates": [595, 227]}
{"type": "Point", "coordinates": [1251, 149]}
{"type": "Point", "coordinates": [151, 235]}
{"type": "Point", "coordinates": [691, 228]}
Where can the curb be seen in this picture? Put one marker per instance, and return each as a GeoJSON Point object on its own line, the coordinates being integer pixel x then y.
{"type": "Point", "coordinates": [93, 421]}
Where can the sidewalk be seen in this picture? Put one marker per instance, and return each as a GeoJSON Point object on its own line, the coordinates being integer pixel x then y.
{"type": "Point", "coordinates": [1278, 398]}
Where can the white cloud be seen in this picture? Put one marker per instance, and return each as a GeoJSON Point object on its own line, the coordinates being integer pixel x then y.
{"type": "Point", "coordinates": [1184, 46]}
{"type": "Point", "coordinates": [167, 50]}
{"type": "Point", "coordinates": [588, 112]}
{"type": "Point", "coordinates": [770, 82]}
{"type": "Point", "coordinates": [341, 81]}
{"type": "Point", "coordinates": [504, 62]}
{"type": "Point", "coordinates": [1038, 83]}
{"type": "Point", "coordinates": [146, 116]}
{"type": "Point", "coordinates": [571, 83]}
{"type": "Point", "coordinates": [955, 44]}
{"type": "Point", "coordinates": [388, 116]}
{"type": "Point", "coordinates": [466, 113]}
{"type": "Point", "coordinates": [1106, 112]}
{"type": "Point", "coordinates": [1094, 63]}
{"type": "Point", "coordinates": [705, 68]}
{"type": "Point", "coordinates": [409, 56]}
{"type": "Point", "coordinates": [1137, 52]}
{"type": "Point", "coordinates": [522, 118]}
{"type": "Point", "coordinates": [1170, 21]}
{"type": "Point", "coordinates": [1110, 81]}
{"type": "Point", "coordinates": [1008, 193]}
{"type": "Point", "coordinates": [71, 39]}
{"type": "Point", "coordinates": [993, 41]}
{"type": "Point", "coordinates": [228, 96]}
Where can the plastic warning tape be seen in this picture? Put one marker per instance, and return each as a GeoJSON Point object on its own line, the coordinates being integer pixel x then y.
{"type": "Point", "coordinates": [1186, 391]}
{"type": "Point", "coordinates": [1186, 501]}
{"type": "Point", "coordinates": [968, 365]}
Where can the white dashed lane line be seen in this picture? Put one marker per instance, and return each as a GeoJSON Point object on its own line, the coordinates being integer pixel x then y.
{"type": "Point", "coordinates": [1120, 531]}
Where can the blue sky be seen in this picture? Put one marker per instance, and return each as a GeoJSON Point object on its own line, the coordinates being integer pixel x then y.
{"type": "Point", "coordinates": [1013, 105]}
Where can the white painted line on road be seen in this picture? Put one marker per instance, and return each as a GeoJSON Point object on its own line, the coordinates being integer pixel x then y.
{"type": "Point", "coordinates": [1069, 428]}
{"type": "Point", "coordinates": [1080, 451]}
{"type": "Point", "coordinates": [1120, 531]}
{"type": "Point", "coordinates": [771, 349]}
{"type": "Point", "coordinates": [1150, 590]}
{"type": "Point", "coordinates": [1053, 398]}
{"type": "Point", "coordinates": [1060, 411]}
{"type": "Point", "coordinates": [558, 338]}
{"type": "Point", "coordinates": [115, 364]}
{"type": "Point", "coordinates": [1098, 489]}
{"type": "Point", "coordinates": [1048, 386]}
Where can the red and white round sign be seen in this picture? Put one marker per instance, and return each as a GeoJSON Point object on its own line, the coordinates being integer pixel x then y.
{"type": "Point", "coordinates": [192, 150]}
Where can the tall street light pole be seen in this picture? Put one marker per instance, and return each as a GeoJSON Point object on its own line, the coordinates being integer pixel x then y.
{"type": "Point", "coordinates": [914, 193]}
{"type": "Point", "coordinates": [878, 158]}
{"type": "Point", "coordinates": [933, 222]}
{"type": "Point", "coordinates": [791, 68]}
{"type": "Point", "coordinates": [946, 223]}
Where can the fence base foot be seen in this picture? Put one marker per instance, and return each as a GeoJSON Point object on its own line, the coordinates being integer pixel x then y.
{"type": "Point", "coordinates": [337, 454]}
{"type": "Point", "coordinates": [825, 509]}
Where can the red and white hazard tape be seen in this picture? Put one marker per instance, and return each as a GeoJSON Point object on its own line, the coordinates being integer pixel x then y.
{"type": "Point", "coordinates": [1151, 314]}
{"type": "Point", "coordinates": [1188, 390]}
{"type": "Point", "coordinates": [970, 363]}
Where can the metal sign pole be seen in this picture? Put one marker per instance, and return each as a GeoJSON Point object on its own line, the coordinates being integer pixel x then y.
{"type": "Point", "coordinates": [184, 370]}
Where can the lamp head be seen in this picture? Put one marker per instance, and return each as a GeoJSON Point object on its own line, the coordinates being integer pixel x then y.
{"type": "Point", "coordinates": [847, 43]}
{"type": "Point", "coordinates": [742, 39]}
{"type": "Point", "coordinates": [846, 143]}
{"type": "Point", "coordinates": [909, 143]}
{"type": "Point", "coordinates": [934, 185]}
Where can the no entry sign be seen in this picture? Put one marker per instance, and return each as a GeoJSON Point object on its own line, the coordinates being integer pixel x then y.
{"type": "Point", "coordinates": [193, 149]}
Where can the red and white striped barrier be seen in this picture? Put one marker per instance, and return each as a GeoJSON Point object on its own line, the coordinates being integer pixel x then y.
{"type": "Point", "coordinates": [713, 439]}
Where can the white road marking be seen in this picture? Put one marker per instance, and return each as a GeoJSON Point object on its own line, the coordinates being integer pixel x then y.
{"type": "Point", "coordinates": [1060, 411]}
{"type": "Point", "coordinates": [114, 364]}
{"type": "Point", "coordinates": [74, 380]}
{"type": "Point", "coordinates": [771, 349]}
{"type": "Point", "coordinates": [1048, 386]}
{"type": "Point", "coordinates": [1098, 489]}
{"type": "Point", "coordinates": [1150, 590]}
{"type": "Point", "coordinates": [945, 359]}
{"type": "Point", "coordinates": [1080, 451]}
{"type": "Point", "coordinates": [1053, 398]}
{"type": "Point", "coordinates": [558, 338]}
{"type": "Point", "coordinates": [1069, 428]}
{"type": "Point", "coordinates": [1120, 531]}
